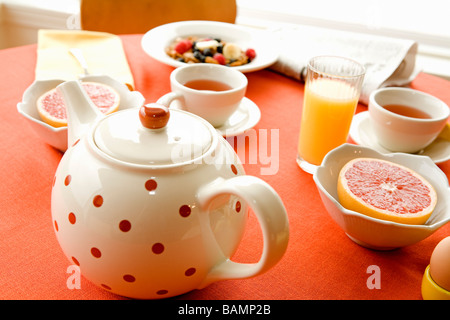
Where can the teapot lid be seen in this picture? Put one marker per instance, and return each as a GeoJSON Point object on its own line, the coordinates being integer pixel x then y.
{"type": "Point", "coordinates": [153, 136]}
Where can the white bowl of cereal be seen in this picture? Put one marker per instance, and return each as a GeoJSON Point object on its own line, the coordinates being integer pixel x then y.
{"type": "Point", "coordinates": [160, 42]}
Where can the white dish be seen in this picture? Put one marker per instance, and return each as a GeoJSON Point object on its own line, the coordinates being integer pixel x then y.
{"type": "Point", "coordinates": [361, 132]}
{"type": "Point", "coordinates": [376, 233]}
{"type": "Point", "coordinates": [57, 137]}
{"type": "Point", "coordinates": [155, 41]}
{"type": "Point", "coordinates": [244, 118]}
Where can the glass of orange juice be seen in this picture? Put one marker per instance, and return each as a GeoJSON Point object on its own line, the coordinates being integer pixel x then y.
{"type": "Point", "coordinates": [332, 89]}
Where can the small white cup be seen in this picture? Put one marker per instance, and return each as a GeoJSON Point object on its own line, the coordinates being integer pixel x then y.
{"type": "Point", "coordinates": [399, 133]}
{"type": "Point", "coordinates": [214, 106]}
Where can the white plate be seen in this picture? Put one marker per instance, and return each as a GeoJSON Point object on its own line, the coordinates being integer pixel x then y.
{"type": "Point", "coordinates": [244, 118]}
{"type": "Point", "coordinates": [155, 41]}
{"type": "Point", "coordinates": [361, 132]}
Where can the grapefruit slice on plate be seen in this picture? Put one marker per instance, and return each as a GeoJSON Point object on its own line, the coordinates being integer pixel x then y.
{"type": "Point", "coordinates": [385, 190]}
{"type": "Point", "coordinates": [52, 109]}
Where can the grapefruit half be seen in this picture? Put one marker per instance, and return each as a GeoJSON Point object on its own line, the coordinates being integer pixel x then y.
{"type": "Point", "coordinates": [385, 190]}
{"type": "Point", "coordinates": [52, 109]}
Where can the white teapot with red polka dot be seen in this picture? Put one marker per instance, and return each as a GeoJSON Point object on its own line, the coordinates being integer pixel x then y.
{"type": "Point", "coordinates": [152, 204]}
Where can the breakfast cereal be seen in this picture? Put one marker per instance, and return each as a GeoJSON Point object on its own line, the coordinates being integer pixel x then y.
{"type": "Point", "coordinates": [193, 49]}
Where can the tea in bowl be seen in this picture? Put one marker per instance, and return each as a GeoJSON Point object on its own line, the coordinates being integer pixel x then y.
{"type": "Point", "coordinates": [210, 91]}
{"type": "Point", "coordinates": [406, 120]}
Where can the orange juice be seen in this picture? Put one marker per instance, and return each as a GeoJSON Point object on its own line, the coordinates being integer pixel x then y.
{"type": "Point", "coordinates": [328, 109]}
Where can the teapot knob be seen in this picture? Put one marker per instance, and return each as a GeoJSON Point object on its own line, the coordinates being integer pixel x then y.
{"type": "Point", "coordinates": [154, 115]}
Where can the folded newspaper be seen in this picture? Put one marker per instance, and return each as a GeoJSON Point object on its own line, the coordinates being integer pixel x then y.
{"type": "Point", "coordinates": [388, 61]}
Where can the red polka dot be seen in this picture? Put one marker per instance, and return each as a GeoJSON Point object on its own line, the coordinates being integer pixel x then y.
{"type": "Point", "coordinates": [75, 261]}
{"type": "Point", "coordinates": [129, 278]}
{"type": "Point", "coordinates": [233, 168]}
{"type": "Point", "coordinates": [189, 272]}
{"type": "Point", "coordinates": [72, 218]}
{"type": "Point", "coordinates": [56, 226]}
{"type": "Point", "coordinates": [98, 201]}
{"type": "Point", "coordinates": [67, 180]}
{"type": "Point", "coordinates": [125, 225]}
{"type": "Point", "coordinates": [238, 206]}
{"type": "Point", "coordinates": [158, 248]}
{"type": "Point", "coordinates": [150, 185]}
{"type": "Point", "coordinates": [105, 286]}
{"type": "Point", "coordinates": [96, 252]}
{"type": "Point", "coordinates": [54, 181]}
{"type": "Point", "coordinates": [185, 211]}
{"type": "Point", "coordinates": [162, 292]}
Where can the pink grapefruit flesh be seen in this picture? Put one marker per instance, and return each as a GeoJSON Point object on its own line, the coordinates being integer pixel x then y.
{"type": "Point", "coordinates": [52, 109]}
{"type": "Point", "coordinates": [386, 190]}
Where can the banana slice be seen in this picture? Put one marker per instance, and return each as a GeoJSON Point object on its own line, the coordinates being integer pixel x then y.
{"type": "Point", "coordinates": [207, 44]}
{"type": "Point", "coordinates": [231, 51]}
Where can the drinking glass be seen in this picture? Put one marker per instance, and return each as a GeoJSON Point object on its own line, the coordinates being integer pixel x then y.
{"type": "Point", "coordinates": [332, 89]}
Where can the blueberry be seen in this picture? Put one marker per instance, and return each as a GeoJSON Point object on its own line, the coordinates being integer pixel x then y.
{"type": "Point", "coordinates": [207, 52]}
{"type": "Point", "coordinates": [199, 56]}
{"type": "Point", "coordinates": [220, 48]}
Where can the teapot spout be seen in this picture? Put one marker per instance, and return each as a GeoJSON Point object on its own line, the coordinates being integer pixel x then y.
{"type": "Point", "coordinates": [81, 111]}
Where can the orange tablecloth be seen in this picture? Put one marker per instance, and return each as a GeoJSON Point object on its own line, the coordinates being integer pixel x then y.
{"type": "Point", "coordinates": [321, 262]}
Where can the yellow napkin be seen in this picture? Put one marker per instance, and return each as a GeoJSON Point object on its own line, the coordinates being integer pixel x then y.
{"type": "Point", "coordinates": [102, 51]}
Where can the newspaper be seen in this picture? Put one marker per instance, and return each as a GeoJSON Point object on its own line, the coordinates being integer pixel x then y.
{"type": "Point", "coordinates": [388, 61]}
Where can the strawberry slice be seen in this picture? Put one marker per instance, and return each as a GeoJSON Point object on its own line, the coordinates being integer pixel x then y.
{"type": "Point", "coordinates": [250, 53]}
{"type": "Point", "coordinates": [219, 58]}
{"type": "Point", "coordinates": [183, 46]}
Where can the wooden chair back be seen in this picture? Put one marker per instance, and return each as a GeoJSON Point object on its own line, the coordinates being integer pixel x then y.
{"type": "Point", "coordinates": [139, 16]}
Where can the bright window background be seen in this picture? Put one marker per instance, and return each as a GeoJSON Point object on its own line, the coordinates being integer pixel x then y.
{"type": "Point", "coordinates": [427, 21]}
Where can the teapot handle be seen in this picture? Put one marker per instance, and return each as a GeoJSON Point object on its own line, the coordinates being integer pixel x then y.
{"type": "Point", "coordinates": [271, 214]}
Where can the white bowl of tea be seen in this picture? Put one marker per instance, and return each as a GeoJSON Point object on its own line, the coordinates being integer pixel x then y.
{"type": "Point", "coordinates": [406, 120]}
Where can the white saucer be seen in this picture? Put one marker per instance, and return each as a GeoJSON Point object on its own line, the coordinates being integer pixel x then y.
{"type": "Point", "coordinates": [361, 132]}
{"type": "Point", "coordinates": [245, 117]}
